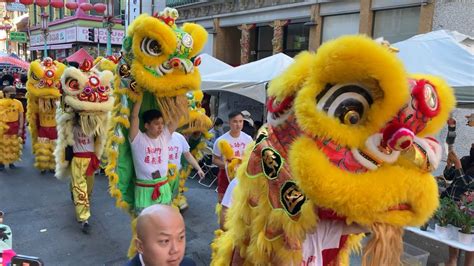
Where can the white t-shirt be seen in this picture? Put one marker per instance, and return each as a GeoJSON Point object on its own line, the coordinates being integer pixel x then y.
{"type": "Point", "coordinates": [177, 146]}
{"type": "Point", "coordinates": [327, 236]}
{"type": "Point", "coordinates": [238, 144]}
{"type": "Point", "coordinates": [227, 199]}
{"type": "Point", "coordinates": [150, 155]}
{"type": "Point", "coordinates": [82, 142]}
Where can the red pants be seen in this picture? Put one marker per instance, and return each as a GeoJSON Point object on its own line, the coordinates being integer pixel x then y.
{"type": "Point", "coordinates": [13, 128]}
{"type": "Point", "coordinates": [47, 132]}
{"type": "Point", "coordinates": [222, 181]}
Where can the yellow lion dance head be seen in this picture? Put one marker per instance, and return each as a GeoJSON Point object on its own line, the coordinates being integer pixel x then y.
{"type": "Point", "coordinates": [347, 138]}
{"type": "Point", "coordinates": [44, 79]}
{"type": "Point", "coordinates": [160, 58]}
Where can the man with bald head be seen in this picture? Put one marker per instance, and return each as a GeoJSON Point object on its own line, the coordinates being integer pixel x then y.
{"type": "Point", "coordinates": [161, 238]}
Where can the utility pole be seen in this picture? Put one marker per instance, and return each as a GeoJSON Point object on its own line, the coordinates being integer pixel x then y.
{"type": "Point", "coordinates": [109, 24]}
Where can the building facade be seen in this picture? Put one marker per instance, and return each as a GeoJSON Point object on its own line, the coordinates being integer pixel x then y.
{"type": "Point", "coordinates": [69, 31]}
{"type": "Point", "coordinates": [454, 15]}
{"type": "Point", "coordinates": [242, 31]}
{"type": "Point", "coordinates": [13, 24]}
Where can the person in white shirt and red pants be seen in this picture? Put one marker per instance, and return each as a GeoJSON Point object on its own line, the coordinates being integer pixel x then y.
{"type": "Point", "coordinates": [238, 140]}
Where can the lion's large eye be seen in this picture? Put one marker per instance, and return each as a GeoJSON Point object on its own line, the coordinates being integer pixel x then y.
{"type": "Point", "coordinates": [347, 102]}
{"type": "Point", "coordinates": [72, 84]}
{"type": "Point", "coordinates": [151, 47]}
{"type": "Point", "coordinates": [33, 76]}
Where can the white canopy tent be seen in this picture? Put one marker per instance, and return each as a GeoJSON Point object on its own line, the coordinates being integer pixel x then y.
{"type": "Point", "coordinates": [248, 80]}
{"type": "Point", "coordinates": [210, 65]}
{"type": "Point", "coordinates": [449, 55]}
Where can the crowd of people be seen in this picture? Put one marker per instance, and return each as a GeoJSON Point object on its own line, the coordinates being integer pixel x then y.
{"type": "Point", "coordinates": [459, 172]}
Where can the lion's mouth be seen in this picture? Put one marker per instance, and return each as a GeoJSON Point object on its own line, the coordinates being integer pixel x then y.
{"type": "Point", "coordinates": [401, 207]}
{"type": "Point", "coordinates": [341, 156]}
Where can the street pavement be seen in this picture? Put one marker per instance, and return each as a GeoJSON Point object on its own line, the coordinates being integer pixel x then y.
{"type": "Point", "coordinates": [40, 213]}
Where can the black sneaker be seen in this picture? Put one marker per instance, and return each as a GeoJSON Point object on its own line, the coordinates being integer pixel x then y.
{"type": "Point", "coordinates": [12, 166]}
{"type": "Point", "coordinates": [2, 167]}
{"type": "Point", "coordinates": [85, 227]}
{"type": "Point", "coordinates": [51, 171]}
{"type": "Point", "coordinates": [43, 172]}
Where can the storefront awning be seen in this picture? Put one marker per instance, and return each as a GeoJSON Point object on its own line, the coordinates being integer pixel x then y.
{"type": "Point", "coordinates": [52, 47]}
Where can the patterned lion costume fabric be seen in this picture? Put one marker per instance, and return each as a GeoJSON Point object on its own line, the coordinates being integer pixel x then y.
{"type": "Point", "coordinates": [347, 139]}
{"type": "Point", "coordinates": [158, 62]}
{"type": "Point", "coordinates": [43, 93]}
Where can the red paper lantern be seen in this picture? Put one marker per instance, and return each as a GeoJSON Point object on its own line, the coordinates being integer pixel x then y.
{"type": "Point", "coordinates": [27, 2]}
{"type": "Point", "coordinates": [100, 7]}
{"type": "Point", "coordinates": [72, 5]}
{"type": "Point", "coordinates": [85, 7]}
{"type": "Point", "coordinates": [42, 3]}
{"type": "Point", "coordinates": [57, 3]}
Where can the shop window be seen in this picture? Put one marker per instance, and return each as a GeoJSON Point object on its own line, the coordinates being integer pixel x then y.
{"type": "Point", "coordinates": [338, 25]}
{"type": "Point", "coordinates": [117, 7]}
{"type": "Point", "coordinates": [61, 13]}
{"type": "Point", "coordinates": [35, 14]}
{"type": "Point", "coordinates": [51, 13]}
{"type": "Point", "coordinates": [296, 39]}
{"type": "Point", "coordinates": [396, 24]}
{"type": "Point", "coordinates": [264, 42]}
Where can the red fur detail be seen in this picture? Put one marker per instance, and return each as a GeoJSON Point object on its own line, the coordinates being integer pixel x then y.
{"type": "Point", "coordinates": [328, 214]}
{"type": "Point", "coordinates": [401, 139]}
{"type": "Point", "coordinates": [282, 106]}
{"type": "Point", "coordinates": [418, 93]}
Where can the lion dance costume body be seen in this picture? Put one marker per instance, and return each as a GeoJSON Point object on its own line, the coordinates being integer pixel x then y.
{"type": "Point", "coordinates": [347, 139]}
{"type": "Point", "coordinates": [159, 64]}
{"type": "Point", "coordinates": [83, 121]}
{"type": "Point", "coordinates": [43, 93]}
{"type": "Point", "coordinates": [11, 142]}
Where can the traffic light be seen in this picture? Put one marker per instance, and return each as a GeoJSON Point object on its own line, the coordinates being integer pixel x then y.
{"type": "Point", "coordinates": [91, 35]}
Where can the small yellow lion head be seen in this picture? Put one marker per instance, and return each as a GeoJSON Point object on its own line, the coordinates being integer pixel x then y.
{"type": "Point", "coordinates": [44, 78]}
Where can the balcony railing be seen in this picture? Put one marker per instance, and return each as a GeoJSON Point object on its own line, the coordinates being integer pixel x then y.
{"type": "Point", "coordinates": [180, 3]}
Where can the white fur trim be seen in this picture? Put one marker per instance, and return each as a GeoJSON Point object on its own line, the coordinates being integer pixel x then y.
{"type": "Point", "coordinates": [89, 106]}
{"type": "Point", "coordinates": [372, 145]}
{"type": "Point", "coordinates": [280, 120]}
{"type": "Point", "coordinates": [106, 78]}
{"type": "Point", "coordinates": [433, 150]}
{"type": "Point", "coordinates": [366, 163]}
{"type": "Point", "coordinates": [65, 138]}
{"type": "Point", "coordinates": [72, 72]}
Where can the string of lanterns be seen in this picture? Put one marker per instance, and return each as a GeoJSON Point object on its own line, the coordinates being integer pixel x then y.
{"type": "Point", "coordinates": [71, 5]}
